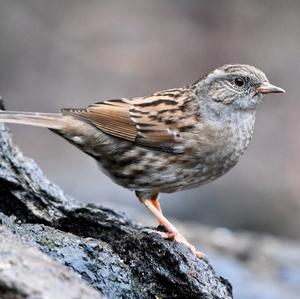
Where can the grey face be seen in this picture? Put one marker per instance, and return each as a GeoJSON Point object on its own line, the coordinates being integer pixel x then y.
{"type": "Point", "coordinates": [238, 87]}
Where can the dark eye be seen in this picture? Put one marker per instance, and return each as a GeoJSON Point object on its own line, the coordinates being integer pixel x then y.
{"type": "Point", "coordinates": [239, 81]}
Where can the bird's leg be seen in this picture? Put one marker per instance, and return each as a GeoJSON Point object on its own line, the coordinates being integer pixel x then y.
{"type": "Point", "coordinates": [172, 233]}
{"type": "Point", "coordinates": [155, 201]}
{"type": "Point", "coordinates": [150, 201]}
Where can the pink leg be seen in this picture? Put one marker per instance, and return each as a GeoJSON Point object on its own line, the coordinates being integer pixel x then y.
{"type": "Point", "coordinates": [172, 233]}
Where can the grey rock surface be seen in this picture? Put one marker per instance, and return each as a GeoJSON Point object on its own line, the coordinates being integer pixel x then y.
{"type": "Point", "coordinates": [25, 272]}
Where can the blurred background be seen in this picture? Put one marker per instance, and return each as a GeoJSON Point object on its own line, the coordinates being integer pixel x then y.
{"type": "Point", "coordinates": [64, 53]}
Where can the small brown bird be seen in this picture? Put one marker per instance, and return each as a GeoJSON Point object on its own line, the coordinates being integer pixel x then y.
{"type": "Point", "coordinates": [173, 140]}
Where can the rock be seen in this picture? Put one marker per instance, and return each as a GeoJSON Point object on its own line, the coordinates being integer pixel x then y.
{"type": "Point", "coordinates": [119, 258]}
{"type": "Point", "coordinates": [25, 272]}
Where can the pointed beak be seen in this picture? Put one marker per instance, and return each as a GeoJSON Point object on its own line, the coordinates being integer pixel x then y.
{"type": "Point", "coordinates": [267, 87]}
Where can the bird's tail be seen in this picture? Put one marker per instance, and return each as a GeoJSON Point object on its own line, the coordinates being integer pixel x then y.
{"type": "Point", "coordinates": [48, 120]}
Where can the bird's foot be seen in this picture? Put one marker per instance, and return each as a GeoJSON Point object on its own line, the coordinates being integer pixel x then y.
{"type": "Point", "coordinates": [174, 235]}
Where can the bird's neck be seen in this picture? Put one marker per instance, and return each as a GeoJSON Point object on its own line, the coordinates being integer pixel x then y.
{"type": "Point", "coordinates": [234, 130]}
{"type": "Point", "coordinates": [241, 124]}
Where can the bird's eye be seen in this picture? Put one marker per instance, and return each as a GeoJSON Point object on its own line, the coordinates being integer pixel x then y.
{"type": "Point", "coordinates": [240, 82]}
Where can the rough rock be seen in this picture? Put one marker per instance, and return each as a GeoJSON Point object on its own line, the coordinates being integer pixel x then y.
{"type": "Point", "coordinates": [21, 265]}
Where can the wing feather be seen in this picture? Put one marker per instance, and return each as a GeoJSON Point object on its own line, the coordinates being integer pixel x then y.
{"type": "Point", "coordinates": [157, 121]}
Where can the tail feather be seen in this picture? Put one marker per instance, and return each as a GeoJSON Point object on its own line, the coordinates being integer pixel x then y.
{"type": "Point", "coordinates": [48, 120]}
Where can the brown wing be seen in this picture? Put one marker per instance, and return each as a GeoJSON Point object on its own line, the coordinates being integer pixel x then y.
{"type": "Point", "coordinates": [157, 121]}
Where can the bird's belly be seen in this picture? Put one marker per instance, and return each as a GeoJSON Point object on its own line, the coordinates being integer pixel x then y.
{"type": "Point", "coordinates": [146, 170]}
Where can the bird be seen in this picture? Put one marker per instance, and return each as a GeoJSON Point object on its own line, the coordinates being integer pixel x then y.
{"type": "Point", "coordinates": [171, 140]}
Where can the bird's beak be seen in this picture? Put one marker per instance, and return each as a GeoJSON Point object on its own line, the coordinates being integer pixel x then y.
{"type": "Point", "coordinates": [267, 87]}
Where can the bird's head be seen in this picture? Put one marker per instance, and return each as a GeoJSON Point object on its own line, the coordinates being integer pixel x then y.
{"type": "Point", "coordinates": [237, 86]}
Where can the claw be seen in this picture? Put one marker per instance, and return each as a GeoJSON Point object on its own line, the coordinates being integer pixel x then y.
{"type": "Point", "coordinates": [176, 236]}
